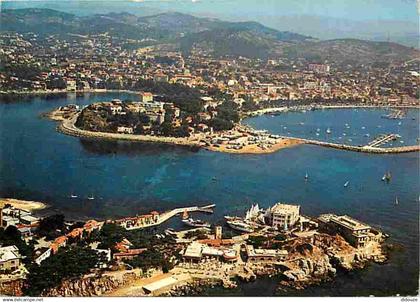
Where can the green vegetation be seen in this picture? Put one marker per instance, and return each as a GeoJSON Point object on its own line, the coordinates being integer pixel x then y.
{"type": "Point", "coordinates": [67, 263]}
{"type": "Point", "coordinates": [150, 259]}
{"type": "Point", "coordinates": [185, 98]}
{"type": "Point", "coordinates": [197, 234]}
{"type": "Point", "coordinates": [11, 236]}
{"type": "Point", "coordinates": [257, 241]}
{"type": "Point", "coordinates": [51, 226]}
{"type": "Point", "coordinates": [227, 116]}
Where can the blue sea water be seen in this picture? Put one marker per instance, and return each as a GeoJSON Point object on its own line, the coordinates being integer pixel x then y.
{"type": "Point", "coordinates": [38, 163]}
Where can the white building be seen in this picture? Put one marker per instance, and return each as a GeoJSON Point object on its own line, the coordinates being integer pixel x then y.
{"type": "Point", "coordinates": [283, 216]}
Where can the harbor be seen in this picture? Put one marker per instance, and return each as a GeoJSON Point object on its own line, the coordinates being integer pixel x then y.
{"type": "Point", "coordinates": [124, 178]}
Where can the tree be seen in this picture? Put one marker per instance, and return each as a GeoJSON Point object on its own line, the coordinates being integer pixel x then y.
{"type": "Point", "coordinates": [48, 226]}
{"type": "Point", "coordinates": [11, 236]}
{"type": "Point", "coordinates": [67, 263]}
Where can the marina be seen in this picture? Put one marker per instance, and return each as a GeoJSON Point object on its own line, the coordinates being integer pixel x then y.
{"type": "Point", "coordinates": [165, 178]}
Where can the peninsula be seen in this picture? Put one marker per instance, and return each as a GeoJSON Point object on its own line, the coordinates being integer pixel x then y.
{"type": "Point", "coordinates": [162, 122]}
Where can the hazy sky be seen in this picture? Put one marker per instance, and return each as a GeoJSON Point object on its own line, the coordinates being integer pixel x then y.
{"type": "Point", "coordinates": [348, 9]}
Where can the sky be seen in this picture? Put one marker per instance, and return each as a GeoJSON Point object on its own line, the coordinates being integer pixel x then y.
{"type": "Point", "coordinates": [325, 19]}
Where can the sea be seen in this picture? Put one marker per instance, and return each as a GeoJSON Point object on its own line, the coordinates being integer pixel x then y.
{"type": "Point", "coordinates": [125, 179]}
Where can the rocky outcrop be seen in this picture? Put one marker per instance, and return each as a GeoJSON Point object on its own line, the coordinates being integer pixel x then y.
{"type": "Point", "coordinates": [89, 286]}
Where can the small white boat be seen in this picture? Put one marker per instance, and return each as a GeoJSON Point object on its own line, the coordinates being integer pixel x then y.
{"type": "Point", "coordinates": [384, 177]}
{"type": "Point", "coordinates": [396, 200]}
{"type": "Point", "coordinates": [306, 176]}
{"type": "Point", "coordinates": [91, 197]}
{"type": "Point", "coordinates": [399, 123]}
{"type": "Point", "coordinates": [240, 226]}
{"type": "Point", "coordinates": [344, 134]}
{"type": "Point", "coordinates": [363, 127]}
{"type": "Point", "coordinates": [317, 134]}
{"type": "Point", "coordinates": [196, 223]}
{"type": "Point", "coordinates": [73, 196]}
{"type": "Point", "coordinates": [301, 123]}
{"type": "Point", "coordinates": [367, 134]}
{"type": "Point", "coordinates": [346, 184]}
{"type": "Point", "coordinates": [328, 131]}
{"type": "Point", "coordinates": [317, 130]}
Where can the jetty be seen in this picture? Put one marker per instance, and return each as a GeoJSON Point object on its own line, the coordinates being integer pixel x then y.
{"type": "Point", "coordinates": [395, 115]}
{"type": "Point", "coordinates": [382, 140]}
{"type": "Point", "coordinates": [364, 149]}
{"type": "Point", "coordinates": [154, 218]}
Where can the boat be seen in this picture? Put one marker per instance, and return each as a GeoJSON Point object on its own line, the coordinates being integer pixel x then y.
{"type": "Point", "coordinates": [91, 197]}
{"type": "Point", "coordinates": [396, 200]}
{"type": "Point", "coordinates": [301, 123]}
{"type": "Point", "coordinates": [317, 130]}
{"type": "Point", "coordinates": [346, 184]}
{"type": "Point", "coordinates": [328, 130]}
{"type": "Point", "coordinates": [367, 134]}
{"type": "Point", "coordinates": [384, 177]}
{"type": "Point", "coordinates": [388, 176]}
{"type": "Point", "coordinates": [363, 127]}
{"type": "Point", "coordinates": [229, 218]}
{"type": "Point", "coordinates": [253, 212]}
{"type": "Point", "coordinates": [196, 223]}
{"type": "Point", "coordinates": [73, 196]}
{"type": "Point", "coordinates": [214, 178]}
{"type": "Point", "coordinates": [399, 123]}
{"type": "Point", "coordinates": [240, 226]}
{"type": "Point", "coordinates": [306, 176]}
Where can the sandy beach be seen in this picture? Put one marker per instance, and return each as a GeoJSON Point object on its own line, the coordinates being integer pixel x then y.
{"type": "Point", "coordinates": [23, 204]}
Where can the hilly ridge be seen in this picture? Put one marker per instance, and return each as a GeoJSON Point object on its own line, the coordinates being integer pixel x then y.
{"type": "Point", "coordinates": [221, 38]}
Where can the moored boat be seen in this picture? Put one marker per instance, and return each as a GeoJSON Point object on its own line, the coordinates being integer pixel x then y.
{"type": "Point", "coordinates": [196, 223]}
{"type": "Point", "coordinates": [240, 226]}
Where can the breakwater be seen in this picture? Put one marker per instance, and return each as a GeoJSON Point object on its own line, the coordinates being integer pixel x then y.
{"type": "Point", "coordinates": [68, 127]}
{"type": "Point", "coordinates": [365, 149]}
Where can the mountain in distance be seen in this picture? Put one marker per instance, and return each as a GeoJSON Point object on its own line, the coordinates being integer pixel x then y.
{"type": "Point", "coordinates": [249, 39]}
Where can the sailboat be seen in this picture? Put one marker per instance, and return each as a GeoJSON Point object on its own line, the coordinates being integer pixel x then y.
{"type": "Point", "coordinates": [346, 184]}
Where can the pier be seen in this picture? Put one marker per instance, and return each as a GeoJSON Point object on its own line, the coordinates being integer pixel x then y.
{"type": "Point", "coordinates": [155, 219]}
{"type": "Point", "coordinates": [382, 140]}
{"type": "Point", "coordinates": [364, 149]}
{"type": "Point", "coordinates": [395, 115]}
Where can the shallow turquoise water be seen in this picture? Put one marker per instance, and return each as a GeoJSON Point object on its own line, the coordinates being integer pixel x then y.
{"type": "Point", "coordinates": [37, 163]}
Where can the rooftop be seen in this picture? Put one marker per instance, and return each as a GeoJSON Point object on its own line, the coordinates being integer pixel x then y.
{"type": "Point", "coordinates": [282, 207]}
{"type": "Point", "coordinates": [9, 253]}
{"type": "Point", "coordinates": [349, 222]}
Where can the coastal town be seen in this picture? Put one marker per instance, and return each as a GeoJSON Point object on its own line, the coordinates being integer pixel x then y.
{"type": "Point", "coordinates": [90, 63]}
{"type": "Point", "coordinates": [139, 154]}
{"type": "Point", "coordinates": [120, 257]}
